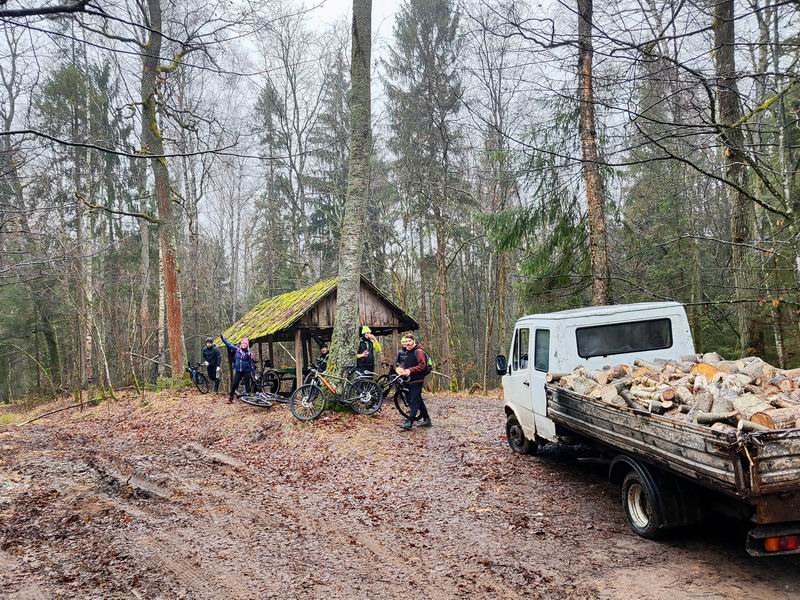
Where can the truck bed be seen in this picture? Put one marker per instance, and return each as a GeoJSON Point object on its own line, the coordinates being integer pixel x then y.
{"type": "Point", "coordinates": [753, 468]}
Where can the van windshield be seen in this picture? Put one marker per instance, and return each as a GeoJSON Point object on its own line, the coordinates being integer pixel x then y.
{"type": "Point", "coordinates": [623, 338]}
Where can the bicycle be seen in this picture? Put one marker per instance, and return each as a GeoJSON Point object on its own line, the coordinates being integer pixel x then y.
{"type": "Point", "coordinates": [361, 394]}
{"type": "Point", "coordinates": [198, 379]}
{"type": "Point", "coordinates": [263, 393]}
{"type": "Point", "coordinates": [393, 382]}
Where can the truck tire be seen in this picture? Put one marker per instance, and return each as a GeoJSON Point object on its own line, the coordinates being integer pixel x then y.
{"type": "Point", "coordinates": [516, 437]}
{"type": "Point", "coordinates": [641, 508]}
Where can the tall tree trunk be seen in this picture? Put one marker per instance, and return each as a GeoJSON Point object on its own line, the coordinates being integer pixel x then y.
{"type": "Point", "coordinates": [345, 331]}
{"type": "Point", "coordinates": [595, 199]}
{"type": "Point", "coordinates": [154, 144]}
{"type": "Point", "coordinates": [145, 327]}
{"type": "Point", "coordinates": [742, 212]}
{"type": "Point", "coordinates": [162, 317]}
{"type": "Point", "coordinates": [441, 297]}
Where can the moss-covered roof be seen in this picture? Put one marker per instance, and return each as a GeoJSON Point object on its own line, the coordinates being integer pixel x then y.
{"type": "Point", "coordinates": [275, 314]}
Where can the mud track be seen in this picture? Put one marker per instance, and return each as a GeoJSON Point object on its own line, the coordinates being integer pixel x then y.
{"type": "Point", "coordinates": [189, 497]}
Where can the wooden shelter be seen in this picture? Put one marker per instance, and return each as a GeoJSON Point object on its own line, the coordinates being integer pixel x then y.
{"type": "Point", "coordinates": [307, 314]}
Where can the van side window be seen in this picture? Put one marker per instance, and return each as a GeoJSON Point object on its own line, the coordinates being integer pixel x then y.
{"type": "Point", "coordinates": [622, 338]}
{"type": "Point", "coordinates": [521, 343]}
{"type": "Point", "coordinates": [541, 350]}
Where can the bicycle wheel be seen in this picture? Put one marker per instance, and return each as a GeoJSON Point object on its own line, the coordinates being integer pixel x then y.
{"type": "Point", "coordinates": [364, 396]}
{"type": "Point", "coordinates": [201, 382]}
{"type": "Point", "coordinates": [307, 402]}
{"type": "Point", "coordinates": [270, 382]}
{"type": "Point", "coordinates": [401, 403]}
{"type": "Point", "coordinates": [258, 399]}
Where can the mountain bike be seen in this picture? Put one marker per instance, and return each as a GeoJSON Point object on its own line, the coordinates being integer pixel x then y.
{"type": "Point", "coordinates": [395, 384]}
{"type": "Point", "coordinates": [263, 393]}
{"type": "Point", "coordinates": [361, 394]}
{"type": "Point", "coordinates": [198, 379]}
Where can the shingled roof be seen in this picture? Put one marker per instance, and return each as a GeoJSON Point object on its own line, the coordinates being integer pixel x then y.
{"type": "Point", "coordinates": [277, 315]}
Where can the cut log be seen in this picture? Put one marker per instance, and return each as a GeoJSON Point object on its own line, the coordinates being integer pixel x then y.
{"type": "Point", "coordinates": [601, 377]}
{"type": "Point", "coordinates": [683, 394]}
{"type": "Point", "coordinates": [612, 390]}
{"type": "Point", "coordinates": [782, 402]}
{"type": "Point", "coordinates": [790, 373]}
{"type": "Point", "coordinates": [727, 366]}
{"type": "Point", "coordinates": [750, 427]}
{"type": "Point", "coordinates": [668, 394]}
{"type": "Point", "coordinates": [551, 377]}
{"type": "Point", "coordinates": [640, 372]}
{"type": "Point", "coordinates": [726, 430]}
{"type": "Point", "coordinates": [706, 370]}
{"type": "Point", "coordinates": [703, 400]}
{"type": "Point", "coordinates": [711, 358]}
{"type": "Point", "coordinates": [704, 418]}
{"type": "Point", "coordinates": [630, 399]}
{"type": "Point", "coordinates": [777, 418]}
{"type": "Point", "coordinates": [583, 386]}
{"type": "Point", "coordinates": [750, 404]}
{"type": "Point", "coordinates": [757, 369]}
{"type": "Point", "coordinates": [619, 371]}
{"type": "Point", "coordinates": [646, 364]}
{"type": "Point", "coordinates": [722, 405]}
{"type": "Point", "coordinates": [692, 358]}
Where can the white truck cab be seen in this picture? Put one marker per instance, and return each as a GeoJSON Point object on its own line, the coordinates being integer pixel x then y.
{"type": "Point", "coordinates": [591, 337]}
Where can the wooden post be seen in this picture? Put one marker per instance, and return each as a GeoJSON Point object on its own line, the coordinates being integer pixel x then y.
{"type": "Point", "coordinates": [261, 355]}
{"type": "Point", "coordinates": [395, 346]}
{"type": "Point", "coordinates": [271, 351]}
{"type": "Point", "coordinates": [309, 349]}
{"type": "Point", "coordinates": [306, 338]}
{"type": "Point", "coordinates": [298, 356]}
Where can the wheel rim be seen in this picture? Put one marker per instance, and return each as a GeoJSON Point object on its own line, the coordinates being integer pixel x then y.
{"type": "Point", "coordinates": [272, 383]}
{"type": "Point", "coordinates": [307, 403]}
{"type": "Point", "coordinates": [638, 509]}
{"type": "Point", "coordinates": [515, 436]}
{"type": "Point", "coordinates": [368, 397]}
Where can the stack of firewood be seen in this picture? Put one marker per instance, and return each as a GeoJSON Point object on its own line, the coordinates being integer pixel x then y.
{"type": "Point", "coordinates": [745, 395]}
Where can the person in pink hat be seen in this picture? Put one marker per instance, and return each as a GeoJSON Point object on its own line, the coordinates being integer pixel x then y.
{"type": "Point", "coordinates": [244, 365]}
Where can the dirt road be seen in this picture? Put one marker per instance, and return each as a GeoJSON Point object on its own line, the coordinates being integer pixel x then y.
{"type": "Point", "coordinates": [189, 497]}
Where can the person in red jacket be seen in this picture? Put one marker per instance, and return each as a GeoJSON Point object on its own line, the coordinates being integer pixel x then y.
{"type": "Point", "coordinates": [415, 367]}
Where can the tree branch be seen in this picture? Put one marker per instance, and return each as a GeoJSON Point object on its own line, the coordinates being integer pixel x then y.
{"type": "Point", "coordinates": [78, 6]}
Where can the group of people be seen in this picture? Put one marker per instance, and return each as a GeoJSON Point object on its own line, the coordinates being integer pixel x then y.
{"type": "Point", "coordinates": [411, 362]}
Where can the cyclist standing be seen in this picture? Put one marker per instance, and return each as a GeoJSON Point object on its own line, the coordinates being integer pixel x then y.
{"type": "Point", "coordinates": [244, 365]}
{"type": "Point", "coordinates": [212, 359]}
{"type": "Point", "coordinates": [415, 367]}
{"type": "Point", "coordinates": [401, 354]}
{"type": "Point", "coordinates": [366, 351]}
{"type": "Point", "coordinates": [322, 361]}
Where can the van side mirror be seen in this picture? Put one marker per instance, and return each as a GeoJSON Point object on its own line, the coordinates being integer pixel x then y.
{"type": "Point", "coordinates": [501, 365]}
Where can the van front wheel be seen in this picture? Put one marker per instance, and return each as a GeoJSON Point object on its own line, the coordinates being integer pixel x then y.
{"type": "Point", "coordinates": [516, 437]}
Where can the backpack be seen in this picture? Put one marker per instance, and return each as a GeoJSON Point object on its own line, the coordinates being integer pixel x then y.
{"type": "Point", "coordinates": [428, 364]}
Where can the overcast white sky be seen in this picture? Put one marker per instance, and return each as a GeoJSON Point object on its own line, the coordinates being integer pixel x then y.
{"type": "Point", "coordinates": [383, 12]}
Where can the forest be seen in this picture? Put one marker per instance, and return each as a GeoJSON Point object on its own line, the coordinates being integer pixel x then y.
{"type": "Point", "coordinates": [167, 164]}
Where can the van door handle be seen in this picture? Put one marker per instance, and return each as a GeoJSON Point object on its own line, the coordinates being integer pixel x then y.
{"type": "Point", "coordinates": [528, 383]}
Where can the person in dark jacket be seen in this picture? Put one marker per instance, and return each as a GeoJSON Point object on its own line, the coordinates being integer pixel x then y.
{"type": "Point", "coordinates": [212, 359]}
{"type": "Point", "coordinates": [322, 361]}
{"type": "Point", "coordinates": [401, 355]}
{"type": "Point", "coordinates": [366, 351]}
{"type": "Point", "coordinates": [414, 367]}
{"type": "Point", "coordinates": [244, 365]}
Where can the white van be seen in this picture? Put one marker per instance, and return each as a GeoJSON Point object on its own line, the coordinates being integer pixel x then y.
{"type": "Point", "coordinates": [591, 337]}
